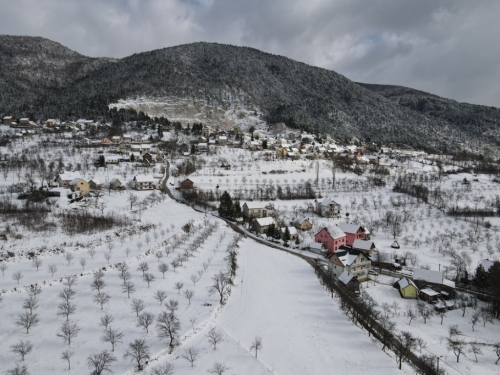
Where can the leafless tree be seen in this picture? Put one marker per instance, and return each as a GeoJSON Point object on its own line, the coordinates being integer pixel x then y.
{"type": "Point", "coordinates": [106, 320]}
{"type": "Point", "coordinates": [149, 278]}
{"type": "Point", "coordinates": [486, 316]}
{"type": "Point", "coordinates": [127, 252]}
{"type": "Point", "coordinates": [218, 369]}
{"type": "Point", "coordinates": [52, 269]}
{"type": "Point", "coordinates": [69, 281]}
{"type": "Point", "coordinates": [138, 351]}
{"type": "Point", "coordinates": [69, 257]}
{"type": "Point", "coordinates": [179, 286]}
{"type": "Point", "coordinates": [123, 272]}
{"type": "Point", "coordinates": [420, 343]}
{"type": "Point", "coordinates": [475, 319]}
{"type": "Point", "coordinates": [97, 284]}
{"type": "Point", "coordinates": [168, 251]}
{"type": "Point", "coordinates": [189, 294]}
{"type": "Point", "coordinates": [91, 252]}
{"type": "Point", "coordinates": [163, 267]}
{"type": "Point", "coordinates": [36, 263]}
{"type": "Point", "coordinates": [496, 346]}
{"type": "Point", "coordinates": [160, 296]}
{"type": "Point", "coordinates": [148, 238]}
{"type": "Point", "coordinates": [137, 306]}
{"type": "Point", "coordinates": [165, 369]}
{"type": "Point", "coordinates": [159, 255]}
{"type": "Point", "coordinates": [140, 245]}
{"type": "Point", "coordinates": [220, 285]}
{"type": "Point", "coordinates": [65, 308]}
{"type": "Point", "coordinates": [190, 354]}
{"type": "Point", "coordinates": [424, 311]}
{"type": "Point", "coordinates": [168, 326]}
{"type": "Point", "coordinates": [35, 291]}
{"type": "Point", "coordinates": [66, 356]}
{"type": "Point", "coordinates": [22, 348]}
{"type": "Point", "coordinates": [107, 256]}
{"type": "Point", "coordinates": [143, 267]}
{"type": "Point", "coordinates": [30, 303]}
{"type": "Point", "coordinates": [410, 314]}
{"type": "Point", "coordinates": [27, 320]}
{"type": "Point", "coordinates": [100, 363]}
{"type": "Point", "coordinates": [214, 337]}
{"type": "Point", "coordinates": [407, 344]}
{"type": "Point", "coordinates": [194, 278]}
{"type": "Point", "coordinates": [102, 298]}
{"type": "Point", "coordinates": [17, 276]}
{"type": "Point", "coordinates": [18, 370]}
{"type": "Point", "coordinates": [128, 288]}
{"type": "Point", "coordinates": [110, 245]}
{"type": "Point", "coordinates": [256, 345]}
{"type": "Point", "coordinates": [456, 345]}
{"type": "Point", "coordinates": [66, 294]}
{"type": "Point", "coordinates": [144, 320]}
{"type": "Point", "coordinates": [388, 330]}
{"type": "Point", "coordinates": [475, 349]}
{"type": "Point", "coordinates": [3, 268]}
{"type": "Point", "coordinates": [83, 263]}
{"type": "Point", "coordinates": [112, 336]}
{"type": "Point", "coordinates": [68, 331]}
{"type": "Point", "coordinates": [442, 314]}
{"type": "Point", "coordinates": [175, 263]}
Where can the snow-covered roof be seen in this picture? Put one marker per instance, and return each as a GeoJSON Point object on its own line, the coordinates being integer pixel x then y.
{"type": "Point", "coordinates": [449, 283]}
{"type": "Point", "coordinates": [327, 202]}
{"type": "Point", "coordinates": [429, 292]}
{"type": "Point", "coordinates": [362, 244]}
{"type": "Point", "coordinates": [345, 277]}
{"type": "Point", "coordinates": [347, 257]}
{"type": "Point", "coordinates": [7, 117]}
{"type": "Point", "coordinates": [404, 282]}
{"type": "Point", "coordinates": [315, 245]}
{"type": "Point", "coordinates": [96, 181]}
{"type": "Point", "coordinates": [25, 119]}
{"type": "Point", "coordinates": [300, 220]}
{"type": "Point", "coordinates": [75, 181]}
{"type": "Point", "coordinates": [335, 232]}
{"type": "Point", "coordinates": [112, 157]}
{"type": "Point", "coordinates": [254, 205]}
{"type": "Point", "coordinates": [115, 180]}
{"type": "Point", "coordinates": [144, 179]}
{"type": "Point", "coordinates": [349, 228]}
{"type": "Point", "coordinates": [428, 275]}
{"type": "Point", "coordinates": [292, 230]}
{"type": "Point", "coordinates": [69, 176]}
{"type": "Point", "coordinates": [264, 221]}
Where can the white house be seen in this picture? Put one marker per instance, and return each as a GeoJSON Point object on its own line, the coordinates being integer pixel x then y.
{"type": "Point", "coordinates": [327, 208]}
{"type": "Point", "coordinates": [144, 183]}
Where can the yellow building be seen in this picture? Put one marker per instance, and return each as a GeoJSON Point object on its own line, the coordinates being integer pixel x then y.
{"type": "Point", "coordinates": [79, 184]}
{"type": "Point", "coordinates": [407, 288]}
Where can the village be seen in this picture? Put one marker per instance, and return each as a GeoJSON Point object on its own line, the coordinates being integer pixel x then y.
{"type": "Point", "coordinates": [388, 223]}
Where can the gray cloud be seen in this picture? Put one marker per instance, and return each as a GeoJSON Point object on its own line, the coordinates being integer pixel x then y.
{"type": "Point", "coordinates": [447, 47]}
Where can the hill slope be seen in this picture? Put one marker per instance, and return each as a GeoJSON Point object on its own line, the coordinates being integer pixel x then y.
{"type": "Point", "coordinates": [57, 82]}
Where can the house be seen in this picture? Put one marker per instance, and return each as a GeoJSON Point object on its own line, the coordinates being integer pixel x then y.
{"type": "Point", "coordinates": [95, 184]}
{"type": "Point", "coordinates": [106, 141]}
{"type": "Point", "coordinates": [327, 208]}
{"type": "Point", "coordinates": [353, 232]}
{"type": "Point", "coordinates": [407, 288]}
{"type": "Point", "coordinates": [187, 184]}
{"type": "Point", "coordinates": [127, 138]}
{"type": "Point", "coordinates": [144, 183]}
{"type": "Point", "coordinates": [116, 139]}
{"type": "Point", "coordinates": [115, 184]}
{"type": "Point", "coordinates": [429, 295]}
{"type": "Point", "coordinates": [112, 159]}
{"type": "Point", "coordinates": [353, 261]}
{"type": "Point", "coordinates": [260, 225]}
{"type": "Point", "coordinates": [7, 120]}
{"type": "Point", "coordinates": [331, 238]}
{"type": "Point", "coordinates": [147, 158]}
{"type": "Point", "coordinates": [350, 281]}
{"type": "Point", "coordinates": [281, 151]}
{"type": "Point", "coordinates": [367, 247]}
{"type": "Point", "coordinates": [254, 209]}
{"type": "Point", "coordinates": [65, 178]}
{"type": "Point", "coordinates": [302, 224]}
{"type": "Point", "coordinates": [293, 233]}
{"type": "Point", "coordinates": [314, 247]}
{"type": "Point", "coordinates": [24, 121]}
{"type": "Point", "coordinates": [79, 184]}
{"type": "Point", "coordinates": [51, 122]}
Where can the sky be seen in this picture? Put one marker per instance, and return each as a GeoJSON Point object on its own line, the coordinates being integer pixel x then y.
{"type": "Point", "coordinates": [446, 47]}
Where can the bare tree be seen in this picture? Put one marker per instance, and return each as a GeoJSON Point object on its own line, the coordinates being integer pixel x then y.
{"type": "Point", "coordinates": [106, 320]}
{"type": "Point", "coordinates": [52, 269]}
{"type": "Point", "coordinates": [3, 268]}
{"type": "Point", "coordinates": [66, 356]}
{"type": "Point", "coordinates": [17, 276]}
{"type": "Point", "coordinates": [256, 345]}
{"type": "Point", "coordinates": [218, 369]}
{"type": "Point", "coordinates": [475, 349]}
{"type": "Point", "coordinates": [83, 263]}
{"type": "Point", "coordinates": [18, 370]}
{"type": "Point", "coordinates": [139, 245]}
{"type": "Point", "coordinates": [68, 331]}
{"type": "Point", "coordinates": [168, 251]}
{"type": "Point", "coordinates": [410, 314]}
{"type": "Point", "coordinates": [143, 267]}
{"type": "Point", "coordinates": [110, 245]}
{"type": "Point", "coordinates": [107, 256]}
{"type": "Point", "coordinates": [420, 343]}
{"type": "Point", "coordinates": [475, 319]}
{"type": "Point", "coordinates": [159, 255]}
{"type": "Point", "coordinates": [165, 369]}
{"type": "Point", "coordinates": [66, 294]}
{"type": "Point", "coordinates": [123, 272]}
{"type": "Point", "coordinates": [486, 316]}
{"type": "Point", "coordinates": [127, 252]}
{"type": "Point", "coordinates": [160, 296]}
{"type": "Point", "coordinates": [22, 348]}
{"type": "Point", "coordinates": [172, 305]}
{"type": "Point", "coordinates": [220, 285]}
{"type": "Point", "coordinates": [36, 263]}
{"type": "Point", "coordinates": [179, 286]}
{"type": "Point", "coordinates": [27, 320]}
{"type": "Point", "coordinates": [407, 344]}
{"type": "Point", "coordinates": [456, 345]}
{"type": "Point", "coordinates": [30, 303]}
{"type": "Point", "coordinates": [168, 326]}
{"type": "Point", "coordinates": [99, 363]}
{"type": "Point", "coordinates": [149, 278]}
{"type": "Point", "coordinates": [91, 252]}
{"type": "Point", "coordinates": [66, 309]}
{"type": "Point", "coordinates": [69, 281]}
{"type": "Point", "coordinates": [144, 320]}
{"type": "Point", "coordinates": [97, 284]}
{"type": "Point", "coordinates": [163, 267]}
{"type": "Point", "coordinates": [35, 291]}
{"type": "Point", "coordinates": [496, 346]}
{"type": "Point", "coordinates": [387, 332]}
{"type": "Point", "coordinates": [137, 351]}
{"type": "Point", "coordinates": [214, 337]}
{"type": "Point", "coordinates": [137, 306]}
{"type": "Point", "coordinates": [188, 293]}
{"type": "Point", "coordinates": [175, 263]}
{"type": "Point", "coordinates": [442, 314]}
{"type": "Point", "coordinates": [69, 257]}
{"type": "Point", "coordinates": [102, 298]}
{"type": "Point", "coordinates": [113, 337]}
{"type": "Point", "coordinates": [128, 288]}
{"type": "Point", "coordinates": [148, 238]}
{"type": "Point", "coordinates": [191, 355]}
{"type": "Point", "coordinates": [194, 278]}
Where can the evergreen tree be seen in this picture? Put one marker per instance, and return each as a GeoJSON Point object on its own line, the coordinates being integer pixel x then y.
{"type": "Point", "coordinates": [237, 209]}
{"type": "Point", "coordinates": [286, 236]}
{"type": "Point", "coordinates": [480, 277]}
{"type": "Point", "coordinates": [226, 207]}
{"type": "Point", "coordinates": [264, 144]}
{"type": "Point", "coordinates": [493, 285]}
{"type": "Point", "coordinates": [270, 231]}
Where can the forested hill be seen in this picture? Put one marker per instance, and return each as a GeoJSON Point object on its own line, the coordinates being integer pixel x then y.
{"type": "Point", "coordinates": [54, 81]}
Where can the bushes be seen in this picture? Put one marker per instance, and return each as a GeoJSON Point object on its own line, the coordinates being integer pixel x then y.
{"type": "Point", "coordinates": [85, 222]}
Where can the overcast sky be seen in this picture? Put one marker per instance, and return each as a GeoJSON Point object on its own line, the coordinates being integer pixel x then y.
{"type": "Point", "coordinates": [446, 47]}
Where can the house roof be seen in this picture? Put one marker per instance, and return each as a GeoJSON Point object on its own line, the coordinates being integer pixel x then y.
{"type": "Point", "coordinates": [115, 180]}
{"type": "Point", "coordinates": [429, 292]}
{"type": "Point", "coordinates": [404, 282]}
{"type": "Point", "coordinates": [7, 117]}
{"type": "Point", "coordinates": [428, 275]}
{"type": "Point", "coordinates": [69, 176]}
{"type": "Point", "coordinates": [345, 277]}
{"type": "Point", "coordinates": [327, 202]}
{"type": "Point", "coordinates": [347, 257]}
{"type": "Point", "coordinates": [363, 244]}
{"type": "Point", "coordinates": [96, 181]}
{"type": "Point", "coordinates": [75, 181]}
{"type": "Point", "coordinates": [349, 228]}
{"type": "Point", "coordinates": [264, 221]}
{"type": "Point", "coordinates": [254, 205]}
{"type": "Point", "coordinates": [292, 230]}
{"type": "Point", "coordinates": [335, 232]}
{"type": "Point", "coordinates": [300, 220]}
{"type": "Point", "coordinates": [144, 179]}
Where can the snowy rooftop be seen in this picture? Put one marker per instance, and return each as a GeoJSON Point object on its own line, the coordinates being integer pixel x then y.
{"type": "Point", "coordinates": [347, 257]}
{"type": "Point", "coordinates": [362, 244]}
{"type": "Point", "coordinates": [144, 179]}
{"type": "Point", "coordinates": [335, 232]}
{"type": "Point", "coordinates": [404, 282]}
{"type": "Point", "coordinates": [349, 228]}
{"type": "Point", "coordinates": [429, 292]}
{"type": "Point", "coordinates": [428, 275]}
{"type": "Point", "coordinates": [254, 205]}
{"type": "Point", "coordinates": [69, 176]}
{"type": "Point", "coordinates": [263, 221]}
{"type": "Point", "coordinates": [345, 277]}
